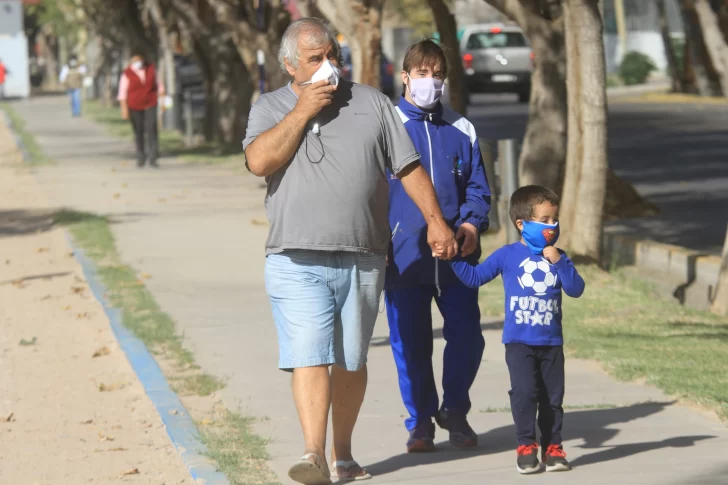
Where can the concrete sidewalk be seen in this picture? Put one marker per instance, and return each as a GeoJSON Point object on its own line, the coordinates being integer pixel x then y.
{"type": "Point", "coordinates": [199, 231]}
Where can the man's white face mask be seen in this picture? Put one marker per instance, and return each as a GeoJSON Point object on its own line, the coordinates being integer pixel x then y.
{"type": "Point", "coordinates": [326, 71]}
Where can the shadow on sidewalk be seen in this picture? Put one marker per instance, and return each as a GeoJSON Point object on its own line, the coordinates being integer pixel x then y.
{"type": "Point", "coordinates": [30, 221]}
{"type": "Point", "coordinates": [592, 426]}
{"type": "Point", "coordinates": [438, 333]}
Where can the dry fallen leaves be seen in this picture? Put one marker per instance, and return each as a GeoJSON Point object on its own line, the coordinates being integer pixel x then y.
{"type": "Point", "coordinates": [133, 471]}
{"type": "Point", "coordinates": [19, 283]}
{"type": "Point", "coordinates": [27, 343]}
{"type": "Point", "coordinates": [82, 315]}
{"type": "Point", "coordinates": [9, 418]}
{"type": "Point", "coordinates": [113, 387]}
{"type": "Point", "coordinates": [88, 421]}
{"type": "Point", "coordinates": [118, 448]}
{"type": "Point", "coordinates": [145, 276]}
{"type": "Point", "coordinates": [117, 195]}
{"type": "Point", "coordinates": [102, 351]}
{"type": "Point", "coordinates": [103, 437]}
{"type": "Point", "coordinates": [258, 222]}
{"type": "Point", "coordinates": [66, 308]}
{"type": "Point", "coordinates": [46, 297]}
{"type": "Point", "coordinates": [41, 250]}
{"type": "Point", "coordinates": [78, 290]}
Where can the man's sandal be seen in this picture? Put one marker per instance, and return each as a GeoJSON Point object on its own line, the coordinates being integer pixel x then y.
{"type": "Point", "coordinates": [309, 473]}
{"type": "Point", "coordinates": [348, 465]}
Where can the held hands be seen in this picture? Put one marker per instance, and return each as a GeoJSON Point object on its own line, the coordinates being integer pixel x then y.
{"type": "Point", "coordinates": [552, 254]}
{"type": "Point", "coordinates": [314, 98]}
{"type": "Point", "coordinates": [442, 240]}
{"type": "Point", "coordinates": [470, 242]}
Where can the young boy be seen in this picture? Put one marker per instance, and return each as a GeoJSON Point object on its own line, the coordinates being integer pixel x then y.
{"type": "Point", "coordinates": [534, 273]}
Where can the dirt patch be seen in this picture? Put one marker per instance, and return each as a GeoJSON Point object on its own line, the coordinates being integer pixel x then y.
{"type": "Point", "coordinates": [72, 410]}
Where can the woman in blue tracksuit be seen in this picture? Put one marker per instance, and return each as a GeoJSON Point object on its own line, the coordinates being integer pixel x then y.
{"type": "Point", "coordinates": [450, 153]}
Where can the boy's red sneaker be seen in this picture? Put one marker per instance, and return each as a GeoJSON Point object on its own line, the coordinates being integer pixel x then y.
{"type": "Point", "coordinates": [554, 458]}
{"type": "Point", "coordinates": [527, 461]}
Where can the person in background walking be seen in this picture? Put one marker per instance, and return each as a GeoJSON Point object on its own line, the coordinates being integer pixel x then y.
{"type": "Point", "coordinates": [451, 156]}
{"type": "Point", "coordinates": [3, 73]}
{"type": "Point", "coordinates": [72, 79]}
{"type": "Point", "coordinates": [139, 92]}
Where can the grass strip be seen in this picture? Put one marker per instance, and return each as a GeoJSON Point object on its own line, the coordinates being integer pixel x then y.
{"type": "Point", "coordinates": [17, 125]}
{"type": "Point", "coordinates": [126, 291]}
{"type": "Point", "coordinates": [636, 334]}
{"type": "Point", "coordinates": [240, 454]}
{"type": "Point", "coordinates": [171, 142]}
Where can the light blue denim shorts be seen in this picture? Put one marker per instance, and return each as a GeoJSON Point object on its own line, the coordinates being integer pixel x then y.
{"type": "Point", "coordinates": [324, 306]}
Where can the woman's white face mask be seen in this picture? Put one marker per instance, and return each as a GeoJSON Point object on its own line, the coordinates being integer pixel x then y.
{"type": "Point", "coordinates": [325, 71]}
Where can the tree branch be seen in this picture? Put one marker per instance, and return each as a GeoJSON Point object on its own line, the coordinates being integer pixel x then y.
{"type": "Point", "coordinates": [189, 16]}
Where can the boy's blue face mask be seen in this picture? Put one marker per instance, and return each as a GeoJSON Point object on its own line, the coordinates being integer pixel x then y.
{"type": "Point", "coordinates": [538, 235]}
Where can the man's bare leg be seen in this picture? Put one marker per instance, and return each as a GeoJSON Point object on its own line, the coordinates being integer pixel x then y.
{"type": "Point", "coordinates": [312, 394]}
{"type": "Point", "coordinates": [347, 393]}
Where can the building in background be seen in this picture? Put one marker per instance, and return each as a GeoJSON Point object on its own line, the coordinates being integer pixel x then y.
{"type": "Point", "coordinates": [14, 48]}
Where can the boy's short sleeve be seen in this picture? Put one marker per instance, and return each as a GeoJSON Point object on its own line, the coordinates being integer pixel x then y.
{"type": "Point", "coordinates": [399, 148]}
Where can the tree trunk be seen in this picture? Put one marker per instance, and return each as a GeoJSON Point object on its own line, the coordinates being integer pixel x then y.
{"type": "Point", "coordinates": [544, 146]}
{"type": "Point", "coordinates": [677, 85]}
{"type": "Point", "coordinates": [360, 23]}
{"type": "Point", "coordinates": [48, 45]}
{"type": "Point", "coordinates": [232, 92]}
{"type": "Point", "coordinates": [543, 154]}
{"type": "Point", "coordinates": [584, 196]}
{"type": "Point", "coordinates": [700, 62]}
{"type": "Point", "coordinates": [575, 140]}
{"type": "Point", "coordinates": [242, 20]}
{"type": "Point", "coordinates": [714, 42]}
{"type": "Point", "coordinates": [227, 92]}
{"type": "Point", "coordinates": [448, 29]}
{"type": "Point", "coordinates": [720, 294]}
{"type": "Point", "coordinates": [168, 71]}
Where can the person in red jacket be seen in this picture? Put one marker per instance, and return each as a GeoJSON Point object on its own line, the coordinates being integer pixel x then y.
{"type": "Point", "coordinates": [139, 91]}
{"type": "Point", "coordinates": [3, 72]}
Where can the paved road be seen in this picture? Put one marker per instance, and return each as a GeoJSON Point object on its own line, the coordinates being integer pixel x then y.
{"type": "Point", "coordinates": [675, 155]}
{"type": "Point", "coordinates": [196, 230]}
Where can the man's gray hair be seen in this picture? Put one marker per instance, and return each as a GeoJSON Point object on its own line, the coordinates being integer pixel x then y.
{"type": "Point", "coordinates": [313, 31]}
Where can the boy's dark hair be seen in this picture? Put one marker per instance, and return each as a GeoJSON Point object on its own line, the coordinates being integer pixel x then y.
{"type": "Point", "coordinates": [525, 198]}
{"type": "Point", "coordinates": [425, 53]}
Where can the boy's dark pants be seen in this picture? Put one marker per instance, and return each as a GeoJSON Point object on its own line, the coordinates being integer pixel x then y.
{"type": "Point", "coordinates": [144, 123]}
{"type": "Point", "coordinates": [537, 382]}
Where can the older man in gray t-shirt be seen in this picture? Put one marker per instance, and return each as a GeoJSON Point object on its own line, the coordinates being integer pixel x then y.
{"type": "Point", "coordinates": [324, 145]}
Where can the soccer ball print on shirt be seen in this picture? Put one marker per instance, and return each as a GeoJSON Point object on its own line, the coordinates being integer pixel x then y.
{"type": "Point", "coordinates": [537, 275]}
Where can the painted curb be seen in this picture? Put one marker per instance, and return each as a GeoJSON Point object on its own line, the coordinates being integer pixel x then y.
{"type": "Point", "coordinates": [16, 135]}
{"type": "Point", "coordinates": [180, 427]}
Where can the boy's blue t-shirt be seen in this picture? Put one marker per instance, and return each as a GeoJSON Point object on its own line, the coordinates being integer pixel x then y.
{"type": "Point", "coordinates": [533, 291]}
